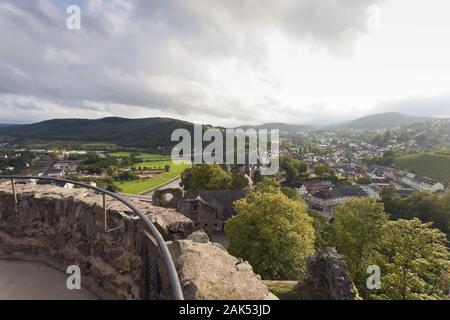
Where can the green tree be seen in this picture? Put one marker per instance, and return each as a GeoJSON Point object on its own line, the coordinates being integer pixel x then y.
{"type": "Point", "coordinates": [268, 185]}
{"type": "Point", "coordinates": [364, 180]}
{"type": "Point", "coordinates": [274, 233]}
{"type": "Point", "coordinates": [425, 206]}
{"type": "Point", "coordinates": [257, 177]}
{"type": "Point", "coordinates": [110, 171]}
{"type": "Point", "coordinates": [167, 167]}
{"type": "Point", "coordinates": [323, 171]}
{"type": "Point", "coordinates": [113, 188]}
{"type": "Point", "coordinates": [415, 261]}
{"type": "Point", "coordinates": [357, 231]}
{"type": "Point", "coordinates": [388, 158]}
{"type": "Point", "coordinates": [205, 177]}
{"type": "Point", "coordinates": [239, 180]}
{"type": "Point", "coordinates": [127, 176]}
{"type": "Point", "coordinates": [323, 229]}
{"type": "Point", "coordinates": [290, 193]}
{"type": "Point", "coordinates": [388, 193]}
{"type": "Point", "coordinates": [293, 168]}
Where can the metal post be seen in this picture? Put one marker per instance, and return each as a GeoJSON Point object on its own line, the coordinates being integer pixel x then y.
{"type": "Point", "coordinates": [172, 274]}
{"type": "Point", "coordinates": [105, 212]}
{"type": "Point", "coordinates": [14, 191]}
{"type": "Point", "coordinates": [14, 195]}
{"type": "Point", "coordinates": [105, 215]}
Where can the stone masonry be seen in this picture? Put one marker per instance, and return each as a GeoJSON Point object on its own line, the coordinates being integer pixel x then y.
{"type": "Point", "coordinates": [62, 227]}
{"type": "Point", "coordinates": [66, 226]}
{"type": "Point", "coordinates": [327, 278]}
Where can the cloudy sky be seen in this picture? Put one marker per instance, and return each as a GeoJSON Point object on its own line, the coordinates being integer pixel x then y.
{"type": "Point", "coordinates": [226, 62]}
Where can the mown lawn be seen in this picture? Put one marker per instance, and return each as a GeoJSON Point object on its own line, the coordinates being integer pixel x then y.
{"type": "Point", "coordinates": [153, 164]}
{"type": "Point", "coordinates": [147, 185]}
{"type": "Point", "coordinates": [119, 154]}
{"type": "Point", "coordinates": [144, 156]}
{"type": "Point", "coordinates": [431, 165]}
{"type": "Point", "coordinates": [58, 144]}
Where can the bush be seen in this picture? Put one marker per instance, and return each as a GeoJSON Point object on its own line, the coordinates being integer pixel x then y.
{"type": "Point", "coordinates": [127, 176]}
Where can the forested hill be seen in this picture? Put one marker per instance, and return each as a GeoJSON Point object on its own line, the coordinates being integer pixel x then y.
{"type": "Point", "coordinates": [381, 121]}
{"type": "Point", "coordinates": [145, 133]}
{"type": "Point", "coordinates": [290, 128]}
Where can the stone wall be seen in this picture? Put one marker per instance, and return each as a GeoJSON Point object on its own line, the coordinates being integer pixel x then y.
{"type": "Point", "coordinates": [62, 227]}
{"type": "Point", "coordinates": [202, 214]}
{"type": "Point", "coordinates": [327, 278]}
{"type": "Point", "coordinates": [207, 271]}
{"type": "Point", "coordinates": [168, 198]}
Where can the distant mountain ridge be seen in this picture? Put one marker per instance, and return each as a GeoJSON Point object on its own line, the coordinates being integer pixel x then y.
{"type": "Point", "coordinates": [284, 127]}
{"type": "Point", "coordinates": [3, 125]}
{"type": "Point", "coordinates": [380, 121]}
{"type": "Point", "coordinates": [156, 132]}
{"type": "Point", "coordinates": [145, 133]}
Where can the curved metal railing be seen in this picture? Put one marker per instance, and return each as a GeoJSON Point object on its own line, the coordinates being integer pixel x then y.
{"type": "Point", "coordinates": [174, 281]}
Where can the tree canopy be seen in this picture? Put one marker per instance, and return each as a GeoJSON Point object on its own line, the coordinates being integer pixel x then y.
{"type": "Point", "coordinates": [213, 177]}
{"type": "Point", "coordinates": [415, 261]}
{"type": "Point", "coordinates": [323, 171]}
{"type": "Point", "coordinates": [205, 177]}
{"type": "Point", "coordinates": [412, 256]}
{"type": "Point", "coordinates": [293, 168]}
{"type": "Point", "coordinates": [425, 206]}
{"type": "Point", "coordinates": [274, 233]}
{"type": "Point", "coordinates": [290, 193]}
{"type": "Point", "coordinates": [358, 228]}
{"type": "Point", "coordinates": [239, 180]}
{"type": "Point", "coordinates": [268, 185]}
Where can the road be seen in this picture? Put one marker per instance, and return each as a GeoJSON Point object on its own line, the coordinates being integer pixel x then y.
{"type": "Point", "coordinates": [173, 184]}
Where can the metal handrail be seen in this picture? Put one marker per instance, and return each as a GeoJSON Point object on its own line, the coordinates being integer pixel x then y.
{"type": "Point", "coordinates": [174, 281]}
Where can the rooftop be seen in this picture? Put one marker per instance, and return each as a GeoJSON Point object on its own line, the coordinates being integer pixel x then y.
{"type": "Point", "coordinates": [346, 191]}
{"type": "Point", "coordinates": [221, 200]}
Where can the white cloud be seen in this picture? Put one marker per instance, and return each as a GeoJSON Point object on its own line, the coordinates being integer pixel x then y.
{"type": "Point", "coordinates": [222, 62]}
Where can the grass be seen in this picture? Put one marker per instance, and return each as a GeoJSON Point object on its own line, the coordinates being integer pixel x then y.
{"type": "Point", "coordinates": [154, 164]}
{"type": "Point", "coordinates": [150, 160]}
{"type": "Point", "coordinates": [143, 156]}
{"type": "Point", "coordinates": [284, 290]}
{"type": "Point", "coordinates": [58, 144]}
{"type": "Point", "coordinates": [119, 154]}
{"type": "Point", "coordinates": [147, 185]}
{"type": "Point", "coordinates": [433, 165]}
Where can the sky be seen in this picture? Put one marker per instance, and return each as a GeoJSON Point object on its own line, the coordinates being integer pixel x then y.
{"type": "Point", "coordinates": [223, 62]}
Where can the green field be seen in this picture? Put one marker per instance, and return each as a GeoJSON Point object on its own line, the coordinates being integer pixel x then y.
{"type": "Point", "coordinates": [147, 185]}
{"type": "Point", "coordinates": [143, 155]}
{"type": "Point", "coordinates": [58, 144]}
{"type": "Point", "coordinates": [433, 165]}
{"type": "Point", "coordinates": [150, 160]}
{"type": "Point", "coordinates": [153, 164]}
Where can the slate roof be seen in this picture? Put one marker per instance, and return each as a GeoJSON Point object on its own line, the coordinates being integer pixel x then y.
{"type": "Point", "coordinates": [346, 191]}
{"type": "Point", "coordinates": [221, 200]}
{"type": "Point", "coordinates": [405, 193]}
